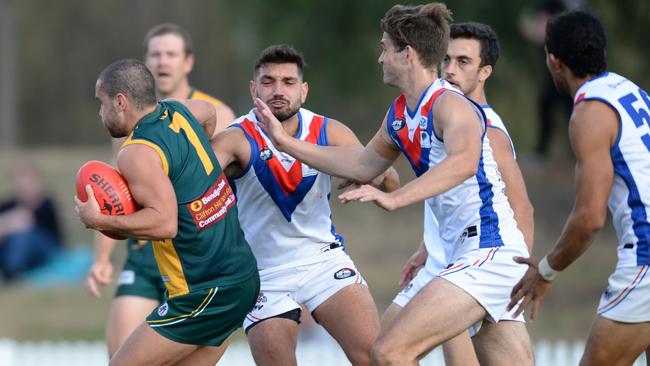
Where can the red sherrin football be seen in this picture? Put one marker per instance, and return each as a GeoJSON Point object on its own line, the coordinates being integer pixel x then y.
{"type": "Point", "coordinates": [109, 187]}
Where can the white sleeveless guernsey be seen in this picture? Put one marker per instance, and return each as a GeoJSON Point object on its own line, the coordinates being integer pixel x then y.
{"type": "Point", "coordinates": [474, 214]}
{"type": "Point", "coordinates": [283, 204]}
{"type": "Point", "coordinates": [629, 199]}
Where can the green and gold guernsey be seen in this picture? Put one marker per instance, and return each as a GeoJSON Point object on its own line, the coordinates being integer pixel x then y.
{"type": "Point", "coordinates": [140, 252]}
{"type": "Point", "coordinates": [209, 249]}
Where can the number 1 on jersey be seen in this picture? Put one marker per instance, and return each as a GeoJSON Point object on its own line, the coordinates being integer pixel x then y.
{"type": "Point", "coordinates": [180, 123]}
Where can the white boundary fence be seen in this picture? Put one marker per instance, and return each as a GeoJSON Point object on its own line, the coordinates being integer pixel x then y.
{"type": "Point", "coordinates": [315, 353]}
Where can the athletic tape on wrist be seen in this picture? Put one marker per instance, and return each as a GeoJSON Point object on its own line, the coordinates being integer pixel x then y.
{"type": "Point", "coordinates": [545, 270]}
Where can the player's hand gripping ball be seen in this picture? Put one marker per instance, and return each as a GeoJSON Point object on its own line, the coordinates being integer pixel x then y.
{"type": "Point", "coordinates": [109, 188]}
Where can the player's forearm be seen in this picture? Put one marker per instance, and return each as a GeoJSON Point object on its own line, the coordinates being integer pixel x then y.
{"type": "Point", "coordinates": [578, 234]}
{"type": "Point", "coordinates": [343, 162]}
{"type": "Point", "coordinates": [144, 224]}
{"type": "Point", "coordinates": [104, 247]}
{"type": "Point", "coordinates": [450, 173]}
{"type": "Point", "coordinates": [523, 212]}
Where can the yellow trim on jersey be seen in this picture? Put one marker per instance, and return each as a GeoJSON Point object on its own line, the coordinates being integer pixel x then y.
{"type": "Point", "coordinates": [163, 158]}
{"type": "Point", "coordinates": [170, 265]}
{"type": "Point", "coordinates": [199, 95]}
{"type": "Point", "coordinates": [180, 123]}
{"type": "Point", "coordinates": [199, 308]}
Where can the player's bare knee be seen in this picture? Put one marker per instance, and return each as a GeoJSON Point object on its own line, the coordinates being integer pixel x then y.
{"type": "Point", "coordinates": [359, 357]}
{"type": "Point", "coordinates": [384, 354]}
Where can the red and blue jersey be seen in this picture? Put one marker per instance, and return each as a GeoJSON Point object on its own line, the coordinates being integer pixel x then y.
{"type": "Point", "coordinates": [475, 213]}
{"type": "Point", "coordinates": [283, 203]}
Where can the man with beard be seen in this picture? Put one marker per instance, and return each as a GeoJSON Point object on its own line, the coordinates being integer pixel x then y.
{"type": "Point", "coordinates": [609, 131]}
{"type": "Point", "coordinates": [188, 210]}
{"type": "Point", "coordinates": [442, 134]}
{"type": "Point", "coordinates": [169, 55]}
{"type": "Point", "coordinates": [285, 214]}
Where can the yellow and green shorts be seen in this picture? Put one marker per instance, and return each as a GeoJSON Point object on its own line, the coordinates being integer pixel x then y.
{"type": "Point", "coordinates": [208, 316]}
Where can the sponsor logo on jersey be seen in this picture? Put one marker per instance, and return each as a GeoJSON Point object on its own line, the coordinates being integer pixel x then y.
{"type": "Point", "coordinates": [425, 140]}
{"type": "Point", "coordinates": [266, 154]}
{"type": "Point", "coordinates": [423, 123]}
{"type": "Point", "coordinates": [213, 205]}
{"type": "Point", "coordinates": [163, 309]}
{"type": "Point", "coordinates": [344, 273]}
{"type": "Point", "coordinates": [398, 124]}
{"type": "Point", "coordinates": [196, 206]}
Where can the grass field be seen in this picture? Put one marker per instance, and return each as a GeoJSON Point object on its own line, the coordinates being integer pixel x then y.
{"type": "Point", "coordinates": [378, 241]}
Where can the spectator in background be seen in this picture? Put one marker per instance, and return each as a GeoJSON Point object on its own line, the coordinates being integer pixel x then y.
{"type": "Point", "coordinates": [29, 228]}
{"type": "Point", "coordinates": [533, 27]}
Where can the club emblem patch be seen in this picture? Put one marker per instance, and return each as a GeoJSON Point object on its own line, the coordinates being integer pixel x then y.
{"type": "Point", "coordinates": [162, 310]}
{"type": "Point", "coordinates": [423, 123]}
{"type": "Point", "coordinates": [398, 124]}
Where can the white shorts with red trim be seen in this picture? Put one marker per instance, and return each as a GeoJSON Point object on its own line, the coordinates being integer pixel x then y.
{"type": "Point", "coordinates": [627, 297]}
{"type": "Point", "coordinates": [488, 275]}
{"type": "Point", "coordinates": [426, 275]}
{"type": "Point", "coordinates": [284, 289]}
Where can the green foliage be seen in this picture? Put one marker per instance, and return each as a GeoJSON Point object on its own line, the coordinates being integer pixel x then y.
{"type": "Point", "coordinates": [61, 54]}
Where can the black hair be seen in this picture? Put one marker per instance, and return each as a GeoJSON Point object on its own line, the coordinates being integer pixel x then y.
{"type": "Point", "coordinates": [280, 54]}
{"type": "Point", "coordinates": [484, 34]}
{"type": "Point", "coordinates": [578, 39]}
{"type": "Point", "coordinates": [131, 78]}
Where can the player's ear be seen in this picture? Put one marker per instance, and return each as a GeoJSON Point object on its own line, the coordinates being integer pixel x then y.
{"type": "Point", "coordinates": [485, 72]}
{"type": "Point", "coordinates": [189, 63]}
{"type": "Point", "coordinates": [552, 61]}
{"type": "Point", "coordinates": [120, 101]}
{"type": "Point", "coordinates": [251, 89]}
{"type": "Point", "coordinates": [305, 91]}
{"type": "Point", "coordinates": [410, 53]}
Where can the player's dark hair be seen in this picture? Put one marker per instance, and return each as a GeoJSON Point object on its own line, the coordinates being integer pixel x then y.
{"type": "Point", "coordinates": [578, 39]}
{"type": "Point", "coordinates": [423, 27]}
{"type": "Point", "coordinates": [280, 54]}
{"type": "Point", "coordinates": [169, 28]}
{"type": "Point", "coordinates": [131, 78]}
{"type": "Point", "coordinates": [483, 33]}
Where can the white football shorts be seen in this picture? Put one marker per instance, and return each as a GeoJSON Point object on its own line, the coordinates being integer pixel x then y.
{"type": "Point", "coordinates": [284, 289]}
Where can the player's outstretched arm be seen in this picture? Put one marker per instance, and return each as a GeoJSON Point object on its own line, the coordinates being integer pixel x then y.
{"type": "Point", "coordinates": [461, 129]}
{"type": "Point", "coordinates": [593, 130]}
{"type": "Point", "coordinates": [341, 135]}
{"type": "Point", "coordinates": [150, 187]}
{"type": "Point", "coordinates": [361, 165]}
{"type": "Point", "coordinates": [515, 184]}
